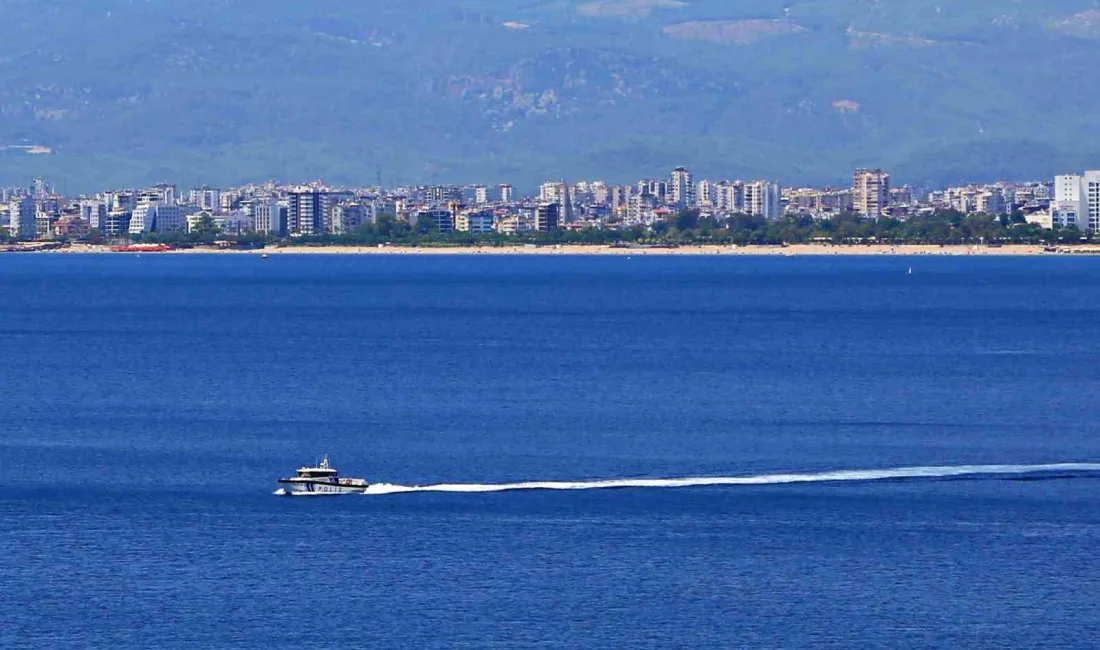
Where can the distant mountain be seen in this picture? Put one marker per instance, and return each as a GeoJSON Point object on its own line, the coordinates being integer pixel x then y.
{"type": "Point", "coordinates": [120, 92]}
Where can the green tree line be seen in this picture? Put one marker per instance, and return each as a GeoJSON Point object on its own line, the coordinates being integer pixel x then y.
{"type": "Point", "coordinates": [687, 227]}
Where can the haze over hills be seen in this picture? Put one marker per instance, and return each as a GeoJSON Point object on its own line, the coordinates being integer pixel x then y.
{"type": "Point", "coordinates": [120, 92]}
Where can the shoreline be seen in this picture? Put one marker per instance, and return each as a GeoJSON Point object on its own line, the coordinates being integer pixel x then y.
{"type": "Point", "coordinates": [906, 250]}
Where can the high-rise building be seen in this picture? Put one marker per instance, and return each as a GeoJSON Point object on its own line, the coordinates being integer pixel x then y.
{"type": "Point", "coordinates": [159, 217]}
{"type": "Point", "coordinates": [991, 201]}
{"type": "Point", "coordinates": [481, 195]}
{"type": "Point", "coordinates": [548, 217]}
{"type": "Point", "coordinates": [307, 212]}
{"type": "Point", "coordinates": [730, 196]}
{"type": "Point", "coordinates": [1091, 187]}
{"type": "Point", "coordinates": [871, 192]}
{"type": "Point", "coordinates": [269, 217]}
{"type": "Point", "coordinates": [567, 203]}
{"type": "Point", "coordinates": [348, 216]}
{"type": "Point", "coordinates": [169, 218]}
{"type": "Point", "coordinates": [207, 198]}
{"type": "Point", "coordinates": [22, 218]}
{"type": "Point", "coordinates": [43, 222]}
{"type": "Point", "coordinates": [507, 194]}
{"type": "Point", "coordinates": [1069, 187]}
{"type": "Point", "coordinates": [706, 194]}
{"type": "Point", "coordinates": [94, 212]}
{"type": "Point", "coordinates": [763, 198]}
{"type": "Point", "coordinates": [1070, 204]}
{"type": "Point", "coordinates": [551, 192]}
{"type": "Point", "coordinates": [117, 223]}
{"type": "Point", "coordinates": [619, 196]}
{"type": "Point", "coordinates": [681, 191]}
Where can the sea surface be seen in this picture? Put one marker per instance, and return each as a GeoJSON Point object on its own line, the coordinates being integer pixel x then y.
{"type": "Point", "coordinates": [149, 403]}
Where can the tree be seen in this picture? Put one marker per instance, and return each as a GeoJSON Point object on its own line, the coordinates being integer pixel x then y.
{"type": "Point", "coordinates": [205, 227]}
{"type": "Point", "coordinates": [686, 220]}
{"type": "Point", "coordinates": [95, 236]}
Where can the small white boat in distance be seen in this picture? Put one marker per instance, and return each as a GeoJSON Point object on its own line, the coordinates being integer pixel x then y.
{"type": "Point", "coordinates": [321, 480]}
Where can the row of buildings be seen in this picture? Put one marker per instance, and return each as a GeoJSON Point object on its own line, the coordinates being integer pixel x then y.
{"type": "Point", "coordinates": [271, 209]}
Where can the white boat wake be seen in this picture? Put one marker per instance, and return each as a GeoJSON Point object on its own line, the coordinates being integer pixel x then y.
{"type": "Point", "coordinates": [976, 471]}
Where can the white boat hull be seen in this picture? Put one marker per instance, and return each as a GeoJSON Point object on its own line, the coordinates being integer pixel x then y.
{"type": "Point", "coordinates": [303, 489]}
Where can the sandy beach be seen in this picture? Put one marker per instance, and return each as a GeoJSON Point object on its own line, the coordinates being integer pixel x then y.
{"type": "Point", "coordinates": [792, 250]}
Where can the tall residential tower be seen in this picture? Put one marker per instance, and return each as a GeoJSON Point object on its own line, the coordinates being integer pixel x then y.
{"type": "Point", "coordinates": [871, 192]}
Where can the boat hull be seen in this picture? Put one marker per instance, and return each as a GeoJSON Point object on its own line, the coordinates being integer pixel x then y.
{"type": "Point", "coordinates": [320, 488]}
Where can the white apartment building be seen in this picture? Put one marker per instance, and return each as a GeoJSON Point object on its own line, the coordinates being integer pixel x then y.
{"type": "Point", "coordinates": [94, 212]}
{"type": "Point", "coordinates": [1069, 204]}
{"type": "Point", "coordinates": [681, 191]}
{"type": "Point", "coordinates": [513, 223]}
{"type": "Point", "coordinates": [763, 198]}
{"type": "Point", "coordinates": [1091, 188]}
{"type": "Point", "coordinates": [871, 192]}
{"type": "Point", "coordinates": [730, 196]}
{"type": "Point", "coordinates": [552, 192]}
{"type": "Point", "coordinates": [269, 217]}
{"type": "Point", "coordinates": [159, 217]}
{"type": "Point", "coordinates": [706, 194]}
{"type": "Point", "coordinates": [1069, 188]}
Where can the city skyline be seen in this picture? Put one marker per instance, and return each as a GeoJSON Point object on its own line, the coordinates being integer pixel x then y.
{"type": "Point", "coordinates": [294, 210]}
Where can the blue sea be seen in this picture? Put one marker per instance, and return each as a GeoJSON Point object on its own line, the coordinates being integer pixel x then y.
{"type": "Point", "coordinates": [903, 461]}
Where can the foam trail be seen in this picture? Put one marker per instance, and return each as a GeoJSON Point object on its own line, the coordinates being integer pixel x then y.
{"type": "Point", "coordinates": [380, 489]}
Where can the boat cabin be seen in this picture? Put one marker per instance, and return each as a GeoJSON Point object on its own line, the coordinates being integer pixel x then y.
{"type": "Point", "coordinates": [324, 470]}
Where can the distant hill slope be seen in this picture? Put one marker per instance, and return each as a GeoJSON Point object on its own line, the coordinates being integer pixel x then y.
{"type": "Point", "coordinates": [122, 92]}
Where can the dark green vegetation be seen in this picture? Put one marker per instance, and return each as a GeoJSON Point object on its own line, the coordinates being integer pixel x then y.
{"type": "Point", "coordinates": [687, 228]}
{"type": "Point", "coordinates": [209, 91]}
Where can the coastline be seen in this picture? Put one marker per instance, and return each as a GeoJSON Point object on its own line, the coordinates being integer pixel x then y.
{"type": "Point", "coordinates": [590, 250]}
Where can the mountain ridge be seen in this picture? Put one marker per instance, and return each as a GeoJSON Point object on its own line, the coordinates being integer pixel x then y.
{"type": "Point", "coordinates": [125, 93]}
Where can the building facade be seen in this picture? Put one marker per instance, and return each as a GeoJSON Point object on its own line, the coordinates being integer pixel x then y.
{"type": "Point", "coordinates": [438, 219]}
{"type": "Point", "coordinates": [681, 190]}
{"type": "Point", "coordinates": [871, 192]}
{"type": "Point", "coordinates": [763, 198]}
{"type": "Point", "coordinates": [269, 217]}
{"type": "Point", "coordinates": [22, 218]}
{"type": "Point", "coordinates": [156, 217]}
{"type": "Point", "coordinates": [307, 212]}
{"type": "Point", "coordinates": [475, 221]}
{"type": "Point", "coordinates": [1091, 191]}
{"type": "Point", "coordinates": [548, 217]}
